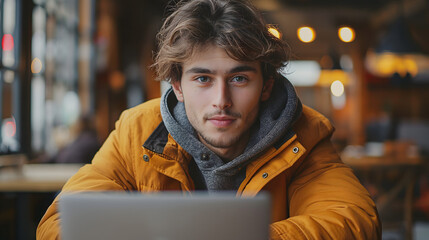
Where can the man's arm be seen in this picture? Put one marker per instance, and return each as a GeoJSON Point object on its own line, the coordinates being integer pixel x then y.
{"type": "Point", "coordinates": [326, 201]}
{"type": "Point", "coordinates": [109, 171]}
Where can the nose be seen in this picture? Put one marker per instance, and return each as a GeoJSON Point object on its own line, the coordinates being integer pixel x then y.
{"type": "Point", "coordinates": [222, 96]}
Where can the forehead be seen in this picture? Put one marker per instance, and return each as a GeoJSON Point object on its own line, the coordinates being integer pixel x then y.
{"type": "Point", "coordinates": [214, 57]}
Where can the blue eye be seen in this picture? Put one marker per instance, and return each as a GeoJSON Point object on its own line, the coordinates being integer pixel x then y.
{"type": "Point", "coordinates": [202, 79]}
{"type": "Point", "coordinates": [239, 79]}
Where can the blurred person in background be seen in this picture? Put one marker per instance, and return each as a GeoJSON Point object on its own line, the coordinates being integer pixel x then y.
{"type": "Point", "coordinates": [83, 148]}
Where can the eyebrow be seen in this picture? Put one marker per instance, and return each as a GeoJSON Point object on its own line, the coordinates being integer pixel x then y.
{"type": "Point", "coordinates": [241, 68]}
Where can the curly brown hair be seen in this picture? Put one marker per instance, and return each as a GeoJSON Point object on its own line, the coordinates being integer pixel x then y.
{"type": "Point", "coordinates": [234, 25]}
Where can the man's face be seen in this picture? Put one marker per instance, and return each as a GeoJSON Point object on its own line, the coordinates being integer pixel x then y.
{"type": "Point", "coordinates": [221, 97]}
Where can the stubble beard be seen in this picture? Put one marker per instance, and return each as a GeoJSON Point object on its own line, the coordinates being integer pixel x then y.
{"type": "Point", "coordinates": [220, 143]}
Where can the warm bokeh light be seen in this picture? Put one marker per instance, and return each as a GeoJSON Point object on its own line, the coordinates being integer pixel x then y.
{"type": "Point", "coordinates": [306, 34]}
{"type": "Point", "coordinates": [391, 64]}
{"type": "Point", "coordinates": [346, 34]}
{"type": "Point", "coordinates": [410, 66]}
{"type": "Point", "coordinates": [337, 88]}
{"type": "Point", "coordinates": [36, 65]}
{"type": "Point", "coordinates": [7, 42]}
{"type": "Point", "coordinates": [275, 32]}
{"type": "Point", "coordinates": [327, 76]}
{"type": "Point", "coordinates": [387, 64]}
{"type": "Point", "coordinates": [117, 80]}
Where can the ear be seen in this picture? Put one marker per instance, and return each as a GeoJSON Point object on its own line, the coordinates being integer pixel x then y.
{"type": "Point", "coordinates": [177, 90]}
{"type": "Point", "coordinates": [266, 90]}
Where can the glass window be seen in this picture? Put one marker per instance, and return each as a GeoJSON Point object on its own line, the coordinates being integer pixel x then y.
{"type": "Point", "coordinates": [55, 105]}
{"type": "Point", "coordinates": [10, 94]}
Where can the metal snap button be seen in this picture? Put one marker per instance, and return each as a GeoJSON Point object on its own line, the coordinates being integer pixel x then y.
{"type": "Point", "coordinates": [205, 156]}
{"type": "Point", "coordinates": [265, 175]}
{"type": "Point", "coordinates": [146, 158]}
{"type": "Point", "coordinates": [295, 150]}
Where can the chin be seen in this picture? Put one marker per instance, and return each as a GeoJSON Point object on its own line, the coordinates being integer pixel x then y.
{"type": "Point", "coordinates": [221, 141]}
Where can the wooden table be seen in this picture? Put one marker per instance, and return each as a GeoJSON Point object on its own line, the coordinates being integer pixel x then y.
{"type": "Point", "coordinates": [23, 180]}
{"type": "Point", "coordinates": [408, 166]}
{"type": "Point", "coordinates": [36, 177]}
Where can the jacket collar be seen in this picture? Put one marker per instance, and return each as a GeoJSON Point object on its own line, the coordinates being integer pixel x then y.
{"type": "Point", "coordinates": [162, 143]}
{"type": "Point", "coordinates": [167, 157]}
{"type": "Point", "coordinates": [157, 140]}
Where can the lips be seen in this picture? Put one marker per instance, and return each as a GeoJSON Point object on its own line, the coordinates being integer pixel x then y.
{"type": "Point", "coordinates": [221, 121]}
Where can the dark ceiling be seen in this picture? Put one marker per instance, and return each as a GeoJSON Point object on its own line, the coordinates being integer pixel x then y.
{"type": "Point", "coordinates": [361, 4]}
{"type": "Point", "coordinates": [141, 18]}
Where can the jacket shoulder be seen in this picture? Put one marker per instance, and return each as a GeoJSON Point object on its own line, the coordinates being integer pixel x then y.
{"type": "Point", "coordinates": [143, 113]}
{"type": "Point", "coordinates": [141, 120]}
{"type": "Point", "coordinates": [312, 127]}
{"type": "Point", "coordinates": [151, 108]}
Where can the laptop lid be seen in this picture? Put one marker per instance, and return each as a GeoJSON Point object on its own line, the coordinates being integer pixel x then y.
{"type": "Point", "coordinates": [164, 216]}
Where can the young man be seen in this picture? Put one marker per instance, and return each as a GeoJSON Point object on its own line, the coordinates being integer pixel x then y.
{"type": "Point", "coordinates": [230, 122]}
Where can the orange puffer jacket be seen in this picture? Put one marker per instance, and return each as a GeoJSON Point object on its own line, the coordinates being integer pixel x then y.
{"type": "Point", "coordinates": [314, 195]}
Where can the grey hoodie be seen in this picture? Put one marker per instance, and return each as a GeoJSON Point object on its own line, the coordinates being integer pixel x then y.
{"type": "Point", "coordinates": [209, 171]}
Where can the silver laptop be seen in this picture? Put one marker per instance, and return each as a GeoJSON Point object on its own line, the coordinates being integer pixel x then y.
{"type": "Point", "coordinates": [165, 216]}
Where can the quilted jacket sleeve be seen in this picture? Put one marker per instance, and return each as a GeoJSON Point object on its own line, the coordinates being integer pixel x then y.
{"type": "Point", "coordinates": [328, 202]}
{"type": "Point", "coordinates": [109, 171]}
{"type": "Point", "coordinates": [325, 199]}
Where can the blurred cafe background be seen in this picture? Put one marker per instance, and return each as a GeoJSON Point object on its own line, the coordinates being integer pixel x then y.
{"type": "Point", "coordinates": [68, 68]}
